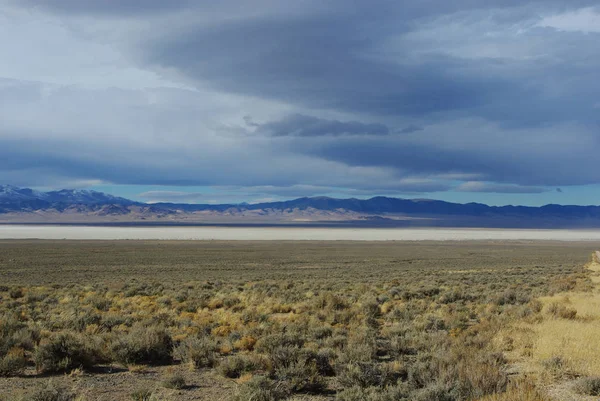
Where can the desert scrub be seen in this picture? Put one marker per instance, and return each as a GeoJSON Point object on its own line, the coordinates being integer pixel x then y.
{"type": "Point", "coordinates": [198, 351]}
{"type": "Point", "coordinates": [16, 293]}
{"type": "Point", "coordinates": [15, 339]}
{"type": "Point", "coordinates": [51, 391]}
{"type": "Point", "coordinates": [141, 395]}
{"type": "Point", "coordinates": [366, 374]}
{"type": "Point", "coordinates": [379, 322]}
{"type": "Point", "coordinates": [301, 376]}
{"type": "Point", "coordinates": [261, 388]}
{"type": "Point", "coordinates": [63, 352]}
{"type": "Point", "coordinates": [13, 362]}
{"type": "Point", "coordinates": [143, 345]}
{"type": "Point", "coordinates": [173, 380]}
{"type": "Point", "coordinates": [400, 392]}
{"type": "Point", "coordinates": [234, 366]}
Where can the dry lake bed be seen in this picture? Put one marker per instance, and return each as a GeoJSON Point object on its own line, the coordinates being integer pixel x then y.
{"type": "Point", "coordinates": [287, 233]}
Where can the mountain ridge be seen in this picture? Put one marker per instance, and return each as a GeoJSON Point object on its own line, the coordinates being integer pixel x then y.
{"type": "Point", "coordinates": [24, 204]}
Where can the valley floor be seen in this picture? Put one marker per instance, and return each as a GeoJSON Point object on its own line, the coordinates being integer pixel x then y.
{"type": "Point", "coordinates": [269, 320]}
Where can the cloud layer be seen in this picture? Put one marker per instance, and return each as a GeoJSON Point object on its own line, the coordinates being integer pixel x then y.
{"type": "Point", "coordinates": [310, 98]}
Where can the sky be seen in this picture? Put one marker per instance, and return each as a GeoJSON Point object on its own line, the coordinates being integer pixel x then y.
{"type": "Point", "coordinates": [222, 102]}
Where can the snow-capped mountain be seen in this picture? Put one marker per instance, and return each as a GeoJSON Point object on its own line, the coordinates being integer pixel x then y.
{"type": "Point", "coordinates": [9, 192]}
{"type": "Point", "coordinates": [14, 198]}
{"type": "Point", "coordinates": [27, 205]}
{"type": "Point", "coordinates": [85, 197]}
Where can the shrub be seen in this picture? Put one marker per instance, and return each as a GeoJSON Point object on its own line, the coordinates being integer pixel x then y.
{"type": "Point", "coordinates": [393, 393]}
{"type": "Point", "coordinates": [301, 376]}
{"type": "Point", "coordinates": [100, 303]}
{"type": "Point", "coordinates": [63, 352]}
{"type": "Point", "coordinates": [144, 345]}
{"type": "Point", "coordinates": [510, 297]}
{"type": "Point", "coordinates": [13, 363]}
{"type": "Point", "coordinates": [201, 352]}
{"type": "Point", "coordinates": [321, 332]}
{"type": "Point", "coordinates": [358, 353]}
{"type": "Point", "coordinates": [260, 388]}
{"type": "Point", "coordinates": [234, 366]}
{"type": "Point", "coordinates": [51, 392]}
{"type": "Point", "coordinates": [25, 338]}
{"type": "Point", "coordinates": [353, 394]}
{"type": "Point", "coordinates": [141, 395]}
{"type": "Point", "coordinates": [555, 365]}
{"type": "Point", "coordinates": [268, 343]}
{"type": "Point", "coordinates": [323, 361]}
{"type": "Point", "coordinates": [284, 356]}
{"type": "Point", "coordinates": [245, 343]}
{"type": "Point", "coordinates": [361, 375]}
{"type": "Point", "coordinates": [561, 311]}
{"type": "Point", "coordinates": [174, 381]}
{"type": "Point", "coordinates": [435, 392]}
{"type": "Point", "coordinates": [588, 386]}
{"type": "Point", "coordinates": [16, 293]}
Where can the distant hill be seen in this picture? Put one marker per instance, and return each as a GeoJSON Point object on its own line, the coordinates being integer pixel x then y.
{"type": "Point", "coordinates": [82, 206]}
{"type": "Point", "coordinates": [25, 199]}
{"type": "Point", "coordinates": [421, 207]}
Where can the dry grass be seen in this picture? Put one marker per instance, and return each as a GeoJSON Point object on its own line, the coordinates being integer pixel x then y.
{"type": "Point", "coordinates": [521, 390]}
{"type": "Point", "coordinates": [575, 341]}
{"type": "Point", "coordinates": [560, 344]}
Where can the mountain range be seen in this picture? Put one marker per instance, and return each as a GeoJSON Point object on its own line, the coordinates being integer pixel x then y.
{"type": "Point", "coordinates": [24, 205]}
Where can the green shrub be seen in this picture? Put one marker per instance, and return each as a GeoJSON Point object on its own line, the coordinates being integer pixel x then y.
{"type": "Point", "coordinates": [144, 345]}
{"type": "Point", "coordinates": [101, 303]}
{"type": "Point", "coordinates": [301, 376]}
{"type": "Point", "coordinates": [435, 392]}
{"type": "Point", "coordinates": [355, 393]}
{"type": "Point", "coordinates": [201, 352]}
{"type": "Point", "coordinates": [25, 338]}
{"type": "Point", "coordinates": [13, 363]}
{"type": "Point", "coordinates": [63, 352]}
{"type": "Point", "coordinates": [270, 342]}
{"type": "Point", "coordinates": [260, 388]}
{"type": "Point", "coordinates": [234, 366]}
{"type": "Point", "coordinates": [284, 356]}
{"type": "Point", "coordinates": [360, 375]}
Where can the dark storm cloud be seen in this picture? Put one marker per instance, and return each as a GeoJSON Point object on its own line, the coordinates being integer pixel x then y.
{"type": "Point", "coordinates": [339, 61]}
{"type": "Point", "coordinates": [302, 125]}
{"type": "Point", "coordinates": [107, 7]}
{"type": "Point", "coordinates": [305, 96]}
{"type": "Point", "coordinates": [529, 158]}
{"type": "Point", "coordinates": [315, 62]}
